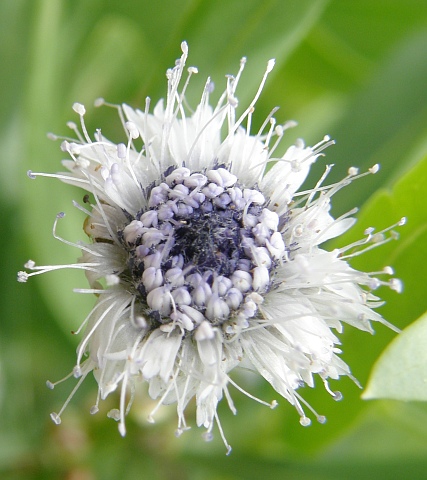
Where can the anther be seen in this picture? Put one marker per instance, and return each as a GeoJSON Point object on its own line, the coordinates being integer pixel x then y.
{"type": "Point", "coordinates": [65, 146]}
{"type": "Point", "coordinates": [184, 47]}
{"type": "Point", "coordinates": [210, 86]}
{"type": "Point", "coordinates": [30, 264]}
{"type": "Point", "coordinates": [279, 130]}
{"type": "Point", "coordinates": [99, 102]}
{"type": "Point", "coordinates": [98, 135]}
{"type": "Point", "coordinates": [305, 421]}
{"type": "Point", "coordinates": [132, 129]}
{"type": "Point", "coordinates": [396, 285]}
{"type": "Point", "coordinates": [337, 396]}
{"type": "Point", "coordinates": [114, 413]}
{"type": "Point", "coordinates": [270, 65]}
{"type": "Point", "coordinates": [121, 150]}
{"type": "Point", "coordinates": [56, 418]}
{"type": "Point", "coordinates": [79, 108]}
{"type": "Point", "coordinates": [22, 277]}
{"type": "Point", "coordinates": [207, 436]}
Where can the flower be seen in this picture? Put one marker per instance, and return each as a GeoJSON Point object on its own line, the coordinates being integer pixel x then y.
{"type": "Point", "coordinates": [203, 260]}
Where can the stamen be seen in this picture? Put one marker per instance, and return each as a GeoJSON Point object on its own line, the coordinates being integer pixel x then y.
{"type": "Point", "coordinates": [316, 189]}
{"type": "Point", "coordinates": [32, 175]}
{"type": "Point", "coordinates": [376, 239]}
{"type": "Point", "coordinates": [81, 208]}
{"type": "Point", "coordinates": [56, 417]}
{"type": "Point", "coordinates": [335, 221]}
{"type": "Point", "coordinates": [85, 341]}
{"type": "Point", "coordinates": [221, 432]}
{"type": "Point", "coordinates": [80, 246]}
{"type": "Point", "coordinates": [191, 71]}
{"type": "Point", "coordinates": [171, 384]}
{"type": "Point", "coordinates": [100, 209]}
{"type": "Point", "coordinates": [229, 400]}
{"type": "Point", "coordinates": [337, 396]}
{"type": "Point", "coordinates": [90, 267]}
{"type": "Point", "coordinates": [260, 137]}
{"type": "Point", "coordinates": [73, 127]}
{"type": "Point", "coordinates": [270, 66]}
{"type": "Point", "coordinates": [320, 418]}
{"type": "Point", "coordinates": [52, 385]}
{"type": "Point", "coordinates": [239, 74]}
{"type": "Point", "coordinates": [271, 405]}
{"type": "Point", "coordinates": [80, 110]}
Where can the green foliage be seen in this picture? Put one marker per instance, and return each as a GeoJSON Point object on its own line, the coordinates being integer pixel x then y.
{"type": "Point", "coordinates": [355, 70]}
{"type": "Point", "coordinates": [401, 371]}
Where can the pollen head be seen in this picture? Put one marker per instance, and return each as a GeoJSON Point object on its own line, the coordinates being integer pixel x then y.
{"type": "Point", "coordinates": [204, 246]}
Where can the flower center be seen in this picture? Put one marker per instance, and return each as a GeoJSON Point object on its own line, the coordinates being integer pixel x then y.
{"type": "Point", "coordinates": [211, 241]}
{"type": "Point", "coordinates": [203, 249]}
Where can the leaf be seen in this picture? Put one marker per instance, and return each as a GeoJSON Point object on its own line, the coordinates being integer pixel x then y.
{"type": "Point", "coordinates": [401, 371]}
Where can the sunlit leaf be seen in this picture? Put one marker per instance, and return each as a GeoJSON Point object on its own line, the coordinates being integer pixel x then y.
{"type": "Point", "coordinates": [401, 371]}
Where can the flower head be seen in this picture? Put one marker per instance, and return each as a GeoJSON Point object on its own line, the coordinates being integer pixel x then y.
{"type": "Point", "coordinates": [204, 260]}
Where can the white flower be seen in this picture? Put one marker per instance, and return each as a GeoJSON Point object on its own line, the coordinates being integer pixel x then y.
{"type": "Point", "coordinates": [203, 262]}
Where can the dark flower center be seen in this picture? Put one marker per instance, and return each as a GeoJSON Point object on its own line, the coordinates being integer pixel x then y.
{"type": "Point", "coordinates": [201, 247]}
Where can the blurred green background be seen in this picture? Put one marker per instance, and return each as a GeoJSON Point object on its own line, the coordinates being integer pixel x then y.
{"type": "Point", "coordinates": [356, 70]}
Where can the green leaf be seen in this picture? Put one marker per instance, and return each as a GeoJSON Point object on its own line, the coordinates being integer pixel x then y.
{"type": "Point", "coordinates": [401, 371]}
